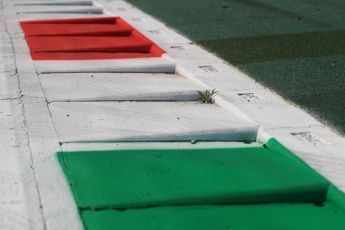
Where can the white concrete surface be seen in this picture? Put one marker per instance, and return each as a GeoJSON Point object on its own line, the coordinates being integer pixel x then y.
{"type": "Point", "coordinates": [216, 75]}
{"type": "Point", "coordinates": [54, 2]}
{"type": "Point", "coordinates": [147, 121]}
{"type": "Point", "coordinates": [59, 9]}
{"type": "Point", "coordinates": [42, 16]}
{"type": "Point", "coordinates": [134, 65]}
{"type": "Point", "coordinates": [54, 206]}
{"type": "Point", "coordinates": [9, 85]}
{"type": "Point", "coordinates": [264, 107]}
{"type": "Point", "coordinates": [118, 87]}
{"type": "Point", "coordinates": [155, 145]}
{"type": "Point", "coordinates": [19, 201]}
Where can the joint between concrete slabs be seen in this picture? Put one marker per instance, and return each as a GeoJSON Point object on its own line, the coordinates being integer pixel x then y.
{"type": "Point", "coordinates": [43, 165]}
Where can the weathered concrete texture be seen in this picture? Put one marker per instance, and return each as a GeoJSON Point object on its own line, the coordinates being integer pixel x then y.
{"type": "Point", "coordinates": [217, 75]}
{"type": "Point", "coordinates": [148, 121]}
{"type": "Point", "coordinates": [19, 203]}
{"type": "Point", "coordinates": [120, 87]}
{"type": "Point", "coordinates": [264, 107]}
{"type": "Point", "coordinates": [54, 2]}
{"type": "Point", "coordinates": [9, 88]}
{"type": "Point", "coordinates": [59, 9]}
{"type": "Point", "coordinates": [36, 135]}
{"type": "Point", "coordinates": [135, 65]}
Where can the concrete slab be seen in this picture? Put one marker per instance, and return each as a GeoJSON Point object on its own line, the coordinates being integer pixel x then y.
{"type": "Point", "coordinates": [269, 109]}
{"type": "Point", "coordinates": [189, 53]}
{"type": "Point", "coordinates": [118, 87]}
{"type": "Point", "coordinates": [60, 9]}
{"type": "Point", "coordinates": [148, 121]}
{"type": "Point", "coordinates": [8, 74]}
{"type": "Point", "coordinates": [59, 207]}
{"type": "Point", "coordinates": [217, 75]}
{"type": "Point", "coordinates": [8, 87]}
{"type": "Point", "coordinates": [135, 65]}
{"type": "Point", "coordinates": [19, 201]}
{"type": "Point", "coordinates": [54, 2]}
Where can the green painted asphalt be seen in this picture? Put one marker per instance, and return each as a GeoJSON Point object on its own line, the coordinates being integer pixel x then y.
{"type": "Point", "coordinates": [265, 187]}
{"type": "Point", "coordinates": [295, 47]}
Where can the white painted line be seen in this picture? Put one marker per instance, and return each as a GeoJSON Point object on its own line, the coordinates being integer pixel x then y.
{"type": "Point", "coordinates": [148, 121]}
{"type": "Point", "coordinates": [134, 65]}
{"type": "Point", "coordinates": [118, 87]}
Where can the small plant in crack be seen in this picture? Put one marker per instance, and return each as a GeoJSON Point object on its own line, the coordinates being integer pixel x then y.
{"type": "Point", "coordinates": [207, 96]}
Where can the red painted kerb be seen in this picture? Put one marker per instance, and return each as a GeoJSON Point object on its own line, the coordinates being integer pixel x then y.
{"type": "Point", "coordinates": [87, 39]}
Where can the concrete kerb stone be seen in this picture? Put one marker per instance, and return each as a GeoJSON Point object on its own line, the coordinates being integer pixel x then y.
{"type": "Point", "coordinates": [148, 121]}
{"type": "Point", "coordinates": [59, 9]}
{"type": "Point", "coordinates": [118, 87]}
{"type": "Point", "coordinates": [268, 109]}
{"type": "Point", "coordinates": [42, 16]}
{"type": "Point", "coordinates": [134, 65]}
{"type": "Point", "coordinates": [216, 75]}
{"type": "Point", "coordinates": [153, 145]}
{"type": "Point", "coordinates": [53, 2]}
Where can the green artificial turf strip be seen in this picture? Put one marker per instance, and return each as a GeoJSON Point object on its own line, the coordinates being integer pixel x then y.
{"type": "Point", "coordinates": [238, 217]}
{"type": "Point", "coordinates": [271, 40]}
{"type": "Point", "coordinates": [141, 178]}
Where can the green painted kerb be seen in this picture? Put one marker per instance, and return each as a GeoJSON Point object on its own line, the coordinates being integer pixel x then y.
{"type": "Point", "coordinates": [186, 188]}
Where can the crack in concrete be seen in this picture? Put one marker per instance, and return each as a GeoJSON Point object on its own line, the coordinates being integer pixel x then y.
{"type": "Point", "coordinates": [25, 142]}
